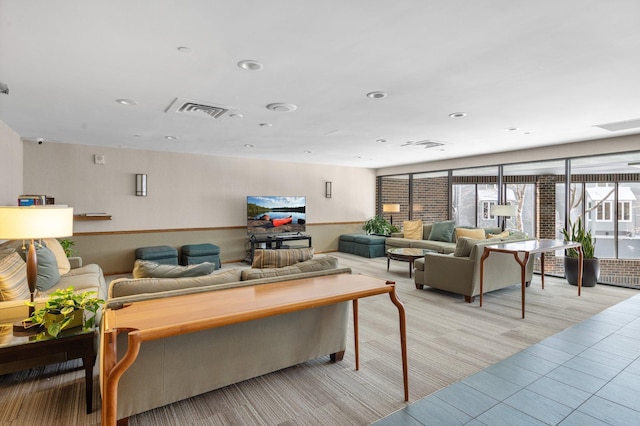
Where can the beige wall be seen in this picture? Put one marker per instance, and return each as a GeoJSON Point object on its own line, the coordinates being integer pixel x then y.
{"type": "Point", "coordinates": [10, 166]}
{"type": "Point", "coordinates": [187, 191]}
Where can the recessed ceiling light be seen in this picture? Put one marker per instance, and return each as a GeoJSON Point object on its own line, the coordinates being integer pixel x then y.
{"type": "Point", "coordinates": [184, 49]}
{"type": "Point", "coordinates": [282, 107]}
{"type": "Point", "coordinates": [171, 138]}
{"type": "Point", "coordinates": [376, 95]}
{"type": "Point", "coordinates": [250, 65]}
{"type": "Point", "coordinates": [236, 116]}
{"type": "Point", "coordinates": [458, 114]}
{"type": "Point", "coordinates": [127, 102]}
{"type": "Point", "coordinates": [381, 140]}
{"type": "Point", "coordinates": [510, 129]}
{"type": "Point", "coordinates": [357, 157]}
{"type": "Point", "coordinates": [307, 152]}
{"type": "Point", "coordinates": [249, 145]}
{"type": "Point", "coordinates": [266, 124]}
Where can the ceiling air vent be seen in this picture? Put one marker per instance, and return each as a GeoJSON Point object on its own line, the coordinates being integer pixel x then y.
{"type": "Point", "coordinates": [199, 108]}
{"type": "Point", "coordinates": [425, 143]}
{"type": "Point", "coordinates": [620, 125]}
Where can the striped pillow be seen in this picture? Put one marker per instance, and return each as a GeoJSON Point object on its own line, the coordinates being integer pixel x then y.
{"type": "Point", "coordinates": [280, 258]}
{"type": "Point", "coordinates": [13, 278]}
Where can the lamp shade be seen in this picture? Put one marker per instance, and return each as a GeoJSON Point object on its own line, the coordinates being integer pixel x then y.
{"type": "Point", "coordinates": [391, 208]}
{"type": "Point", "coordinates": [502, 210]}
{"type": "Point", "coordinates": [35, 222]}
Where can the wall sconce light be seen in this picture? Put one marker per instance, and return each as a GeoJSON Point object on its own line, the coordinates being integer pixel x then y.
{"type": "Point", "coordinates": [141, 185]}
{"type": "Point", "coordinates": [327, 189]}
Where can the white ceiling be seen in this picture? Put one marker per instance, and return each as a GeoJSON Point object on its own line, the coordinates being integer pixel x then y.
{"type": "Point", "coordinates": [550, 68]}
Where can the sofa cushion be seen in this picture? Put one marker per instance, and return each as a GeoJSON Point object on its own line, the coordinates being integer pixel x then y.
{"type": "Point", "coordinates": [464, 245]}
{"type": "Point", "coordinates": [150, 269]}
{"type": "Point", "coordinates": [501, 235]}
{"type": "Point", "coordinates": [61, 257]}
{"type": "Point", "coordinates": [475, 233]}
{"type": "Point", "coordinates": [13, 278]}
{"type": "Point", "coordinates": [311, 265]}
{"type": "Point", "coordinates": [412, 229]}
{"type": "Point", "coordinates": [280, 258]}
{"type": "Point", "coordinates": [48, 273]}
{"type": "Point", "coordinates": [442, 231]}
{"type": "Point", "coordinates": [130, 286]}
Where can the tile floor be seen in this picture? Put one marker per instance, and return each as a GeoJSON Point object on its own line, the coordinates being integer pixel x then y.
{"type": "Point", "coordinates": [588, 374]}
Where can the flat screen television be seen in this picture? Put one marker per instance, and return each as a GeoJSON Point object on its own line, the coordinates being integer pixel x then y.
{"type": "Point", "coordinates": [276, 214]}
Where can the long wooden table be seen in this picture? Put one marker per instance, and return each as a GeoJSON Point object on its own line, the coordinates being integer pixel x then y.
{"type": "Point", "coordinates": [161, 318]}
{"type": "Point", "coordinates": [528, 248]}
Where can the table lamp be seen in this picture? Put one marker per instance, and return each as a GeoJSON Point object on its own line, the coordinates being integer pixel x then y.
{"type": "Point", "coordinates": [34, 223]}
{"type": "Point", "coordinates": [502, 211]}
{"type": "Point", "coordinates": [391, 208]}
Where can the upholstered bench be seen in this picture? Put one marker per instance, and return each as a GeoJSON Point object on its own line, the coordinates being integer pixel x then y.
{"type": "Point", "coordinates": [160, 254]}
{"type": "Point", "coordinates": [362, 245]}
{"type": "Point", "coordinates": [191, 254]}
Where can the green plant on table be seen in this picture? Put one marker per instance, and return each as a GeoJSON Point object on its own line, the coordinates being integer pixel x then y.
{"type": "Point", "coordinates": [378, 225]}
{"type": "Point", "coordinates": [67, 246]}
{"type": "Point", "coordinates": [577, 233]}
{"type": "Point", "coordinates": [64, 303]}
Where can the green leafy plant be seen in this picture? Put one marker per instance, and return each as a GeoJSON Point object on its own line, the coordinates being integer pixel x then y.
{"type": "Point", "coordinates": [577, 233]}
{"type": "Point", "coordinates": [64, 303]}
{"type": "Point", "coordinates": [379, 226]}
{"type": "Point", "coordinates": [67, 246]}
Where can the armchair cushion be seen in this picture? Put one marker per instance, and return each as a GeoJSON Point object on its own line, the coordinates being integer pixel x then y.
{"type": "Point", "coordinates": [442, 231]}
{"type": "Point", "coordinates": [280, 258]}
{"type": "Point", "coordinates": [464, 245]}
{"type": "Point", "coordinates": [150, 269]}
{"type": "Point", "coordinates": [48, 273]}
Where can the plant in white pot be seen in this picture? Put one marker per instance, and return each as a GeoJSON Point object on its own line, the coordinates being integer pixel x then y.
{"type": "Point", "coordinates": [591, 264]}
{"type": "Point", "coordinates": [67, 309]}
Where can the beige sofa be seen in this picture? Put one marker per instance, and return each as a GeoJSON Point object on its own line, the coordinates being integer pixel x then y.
{"type": "Point", "coordinates": [172, 369]}
{"type": "Point", "coordinates": [459, 272]}
{"type": "Point", "coordinates": [82, 278]}
{"type": "Point", "coordinates": [397, 239]}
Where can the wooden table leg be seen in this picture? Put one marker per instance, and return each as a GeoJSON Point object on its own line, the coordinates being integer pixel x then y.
{"type": "Point", "coordinates": [403, 340]}
{"type": "Point", "coordinates": [580, 266]}
{"type": "Point", "coordinates": [355, 333]}
{"type": "Point", "coordinates": [89, 360]}
{"type": "Point", "coordinates": [485, 254]}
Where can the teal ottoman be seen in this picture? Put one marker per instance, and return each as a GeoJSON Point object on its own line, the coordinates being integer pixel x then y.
{"type": "Point", "coordinates": [362, 245]}
{"type": "Point", "coordinates": [166, 255]}
{"type": "Point", "coordinates": [191, 254]}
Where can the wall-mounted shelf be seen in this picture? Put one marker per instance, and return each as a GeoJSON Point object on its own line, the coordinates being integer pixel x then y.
{"type": "Point", "coordinates": [91, 216]}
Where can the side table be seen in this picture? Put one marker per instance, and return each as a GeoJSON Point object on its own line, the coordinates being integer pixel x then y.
{"type": "Point", "coordinates": [74, 343]}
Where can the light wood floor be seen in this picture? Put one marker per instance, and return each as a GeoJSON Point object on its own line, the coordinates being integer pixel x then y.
{"type": "Point", "coordinates": [447, 340]}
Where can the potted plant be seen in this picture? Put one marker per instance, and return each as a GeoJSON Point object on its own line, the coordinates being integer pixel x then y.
{"type": "Point", "coordinates": [66, 309]}
{"type": "Point", "coordinates": [67, 246]}
{"type": "Point", "coordinates": [591, 264]}
{"type": "Point", "coordinates": [378, 225]}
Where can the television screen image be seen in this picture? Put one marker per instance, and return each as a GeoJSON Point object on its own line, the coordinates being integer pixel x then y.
{"type": "Point", "coordinates": [276, 214]}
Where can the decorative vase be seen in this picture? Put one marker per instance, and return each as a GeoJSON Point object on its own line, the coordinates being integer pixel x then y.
{"type": "Point", "coordinates": [590, 271]}
{"type": "Point", "coordinates": [76, 321]}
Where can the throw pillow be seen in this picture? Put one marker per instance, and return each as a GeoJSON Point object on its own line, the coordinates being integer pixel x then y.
{"type": "Point", "coordinates": [61, 258]}
{"type": "Point", "coordinates": [475, 233]}
{"type": "Point", "coordinates": [464, 246]}
{"type": "Point", "coordinates": [13, 278]}
{"type": "Point", "coordinates": [412, 229]}
{"type": "Point", "coordinates": [504, 234]}
{"type": "Point", "coordinates": [280, 258]}
{"type": "Point", "coordinates": [149, 269]}
{"type": "Point", "coordinates": [48, 273]}
{"type": "Point", "coordinates": [442, 231]}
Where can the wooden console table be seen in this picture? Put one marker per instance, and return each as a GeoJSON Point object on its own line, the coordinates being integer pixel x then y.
{"type": "Point", "coordinates": [528, 248]}
{"type": "Point", "coordinates": [161, 318]}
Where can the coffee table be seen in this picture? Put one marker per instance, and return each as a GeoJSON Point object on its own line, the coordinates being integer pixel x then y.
{"type": "Point", "coordinates": [73, 343]}
{"type": "Point", "coordinates": [406, 255]}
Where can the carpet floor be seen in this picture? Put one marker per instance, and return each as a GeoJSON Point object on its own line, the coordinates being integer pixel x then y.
{"type": "Point", "coordinates": [447, 340]}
